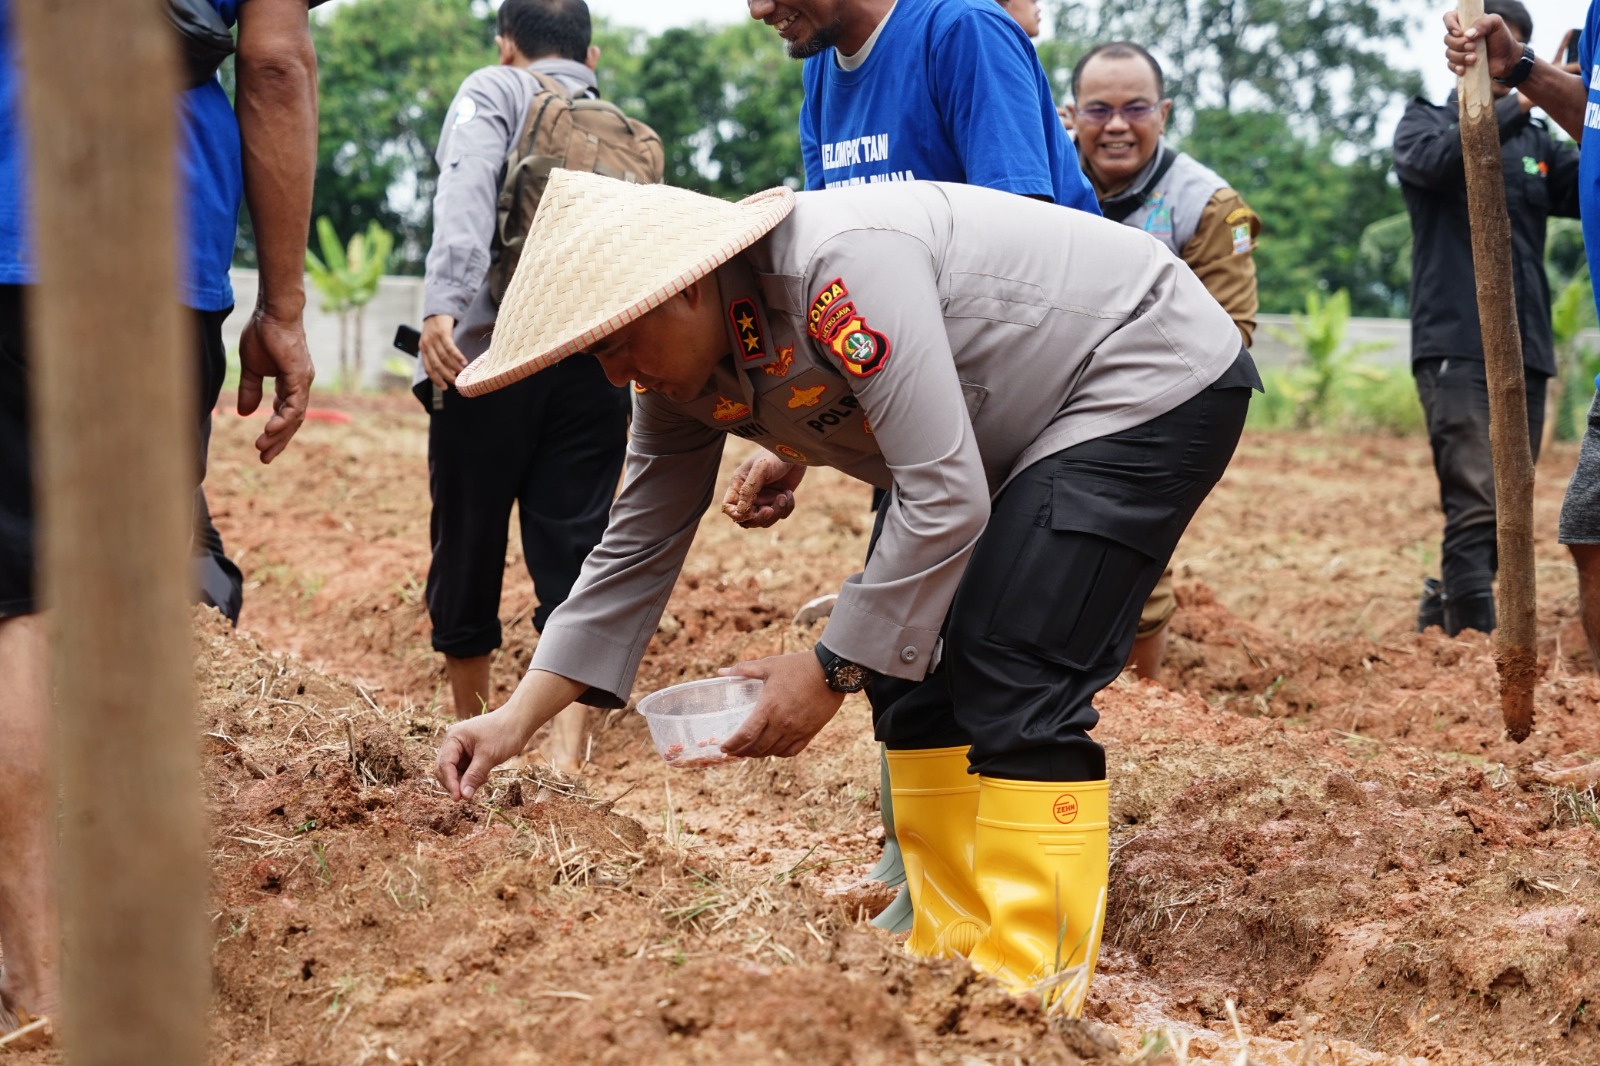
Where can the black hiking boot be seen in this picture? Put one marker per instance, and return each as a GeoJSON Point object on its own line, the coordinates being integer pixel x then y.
{"type": "Point", "coordinates": [1430, 609]}
{"type": "Point", "coordinates": [1471, 610]}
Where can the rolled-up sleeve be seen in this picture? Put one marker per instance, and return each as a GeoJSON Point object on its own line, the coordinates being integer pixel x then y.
{"type": "Point", "coordinates": [600, 634]}
{"type": "Point", "coordinates": [888, 617]}
{"type": "Point", "coordinates": [478, 131]}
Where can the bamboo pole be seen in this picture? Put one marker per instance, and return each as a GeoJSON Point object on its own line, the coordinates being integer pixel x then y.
{"type": "Point", "coordinates": [112, 364]}
{"type": "Point", "coordinates": [1515, 654]}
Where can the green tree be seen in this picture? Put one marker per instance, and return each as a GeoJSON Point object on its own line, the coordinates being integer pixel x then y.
{"type": "Point", "coordinates": [1329, 63]}
{"type": "Point", "coordinates": [388, 70]}
{"type": "Point", "coordinates": [726, 102]}
{"type": "Point", "coordinates": [1313, 208]}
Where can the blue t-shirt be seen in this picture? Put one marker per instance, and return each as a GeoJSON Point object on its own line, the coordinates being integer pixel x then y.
{"type": "Point", "coordinates": [951, 91]}
{"type": "Point", "coordinates": [209, 162]}
{"type": "Point", "coordinates": [1589, 149]}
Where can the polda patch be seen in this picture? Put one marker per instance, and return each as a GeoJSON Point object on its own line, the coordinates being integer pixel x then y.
{"type": "Point", "coordinates": [833, 292]}
{"type": "Point", "coordinates": [747, 326]}
{"type": "Point", "coordinates": [794, 455]}
{"type": "Point", "coordinates": [861, 350]}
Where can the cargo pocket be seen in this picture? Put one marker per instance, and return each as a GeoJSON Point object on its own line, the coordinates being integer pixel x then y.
{"type": "Point", "coordinates": [1084, 571]}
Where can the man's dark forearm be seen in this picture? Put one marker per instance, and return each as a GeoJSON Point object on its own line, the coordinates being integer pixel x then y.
{"type": "Point", "coordinates": [276, 103]}
{"type": "Point", "coordinates": [1562, 96]}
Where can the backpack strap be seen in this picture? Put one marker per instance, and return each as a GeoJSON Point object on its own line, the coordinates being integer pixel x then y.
{"type": "Point", "coordinates": [1122, 206]}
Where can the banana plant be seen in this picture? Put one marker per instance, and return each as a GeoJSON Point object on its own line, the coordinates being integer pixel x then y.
{"type": "Point", "coordinates": [346, 276]}
{"type": "Point", "coordinates": [1327, 363]}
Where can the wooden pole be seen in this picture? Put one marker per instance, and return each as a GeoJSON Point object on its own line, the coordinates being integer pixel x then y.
{"type": "Point", "coordinates": [1508, 406]}
{"type": "Point", "coordinates": [113, 367]}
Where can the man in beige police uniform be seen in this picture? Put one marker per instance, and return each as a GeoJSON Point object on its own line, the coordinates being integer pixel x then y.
{"type": "Point", "coordinates": [1119, 112]}
{"type": "Point", "coordinates": [1048, 397]}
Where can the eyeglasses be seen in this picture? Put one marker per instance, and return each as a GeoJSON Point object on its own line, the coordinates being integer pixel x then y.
{"type": "Point", "coordinates": [1100, 114]}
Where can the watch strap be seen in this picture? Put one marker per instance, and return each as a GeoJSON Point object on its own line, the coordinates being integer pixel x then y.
{"type": "Point", "coordinates": [1519, 73]}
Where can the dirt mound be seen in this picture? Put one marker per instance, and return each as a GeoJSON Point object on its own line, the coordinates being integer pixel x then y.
{"type": "Point", "coordinates": [1414, 903]}
{"type": "Point", "coordinates": [1394, 900]}
{"type": "Point", "coordinates": [1320, 821]}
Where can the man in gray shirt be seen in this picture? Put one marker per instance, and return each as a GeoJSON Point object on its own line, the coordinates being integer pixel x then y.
{"type": "Point", "coordinates": [1047, 397]}
{"type": "Point", "coordinates": [553, 445]}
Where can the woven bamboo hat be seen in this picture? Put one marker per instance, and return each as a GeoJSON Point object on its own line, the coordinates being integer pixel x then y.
{"type": "Point", "coordinates": [601, 253]}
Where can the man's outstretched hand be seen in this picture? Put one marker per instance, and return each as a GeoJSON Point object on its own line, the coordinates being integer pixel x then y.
{"type": "Point", "coordinates": [474, 747]}
{"type": "Point", "coordinates": [761, 491]}
{"type": "Point", "coordinates": [275, 348]}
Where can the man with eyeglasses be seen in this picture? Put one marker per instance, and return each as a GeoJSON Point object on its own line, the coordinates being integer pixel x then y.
{"type": "Point", "coordinates": [1119, 113]}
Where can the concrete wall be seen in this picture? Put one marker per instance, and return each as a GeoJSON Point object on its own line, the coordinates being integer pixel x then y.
{"type": "Point", "coordinates": [399, 300]}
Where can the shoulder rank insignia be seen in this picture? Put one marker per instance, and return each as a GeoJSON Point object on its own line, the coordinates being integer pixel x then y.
{"type": "Point", "coordinates": [747, 326]}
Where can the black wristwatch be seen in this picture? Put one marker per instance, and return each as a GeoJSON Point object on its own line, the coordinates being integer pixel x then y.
{"type": "Point", "coordinates": [842, 675]}
{"type": "Point", "coordinates": [1519, 73]}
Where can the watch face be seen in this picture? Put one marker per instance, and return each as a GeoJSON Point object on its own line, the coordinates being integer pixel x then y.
{"type": "Point", "coordinates": [849, 677]}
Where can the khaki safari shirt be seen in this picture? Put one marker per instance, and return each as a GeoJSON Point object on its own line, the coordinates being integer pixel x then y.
{"type": "Point", "coordinates": [934, 338]}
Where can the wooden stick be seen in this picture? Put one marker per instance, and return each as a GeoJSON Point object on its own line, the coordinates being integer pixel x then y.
{"type": "Point", "coordinates": [112, 361]}
{"type": "Point", "coordinates": [1515, 635]}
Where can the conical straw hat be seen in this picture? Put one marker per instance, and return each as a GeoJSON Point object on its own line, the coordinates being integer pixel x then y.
{"type": "Point", "coordinates": [601, 253]}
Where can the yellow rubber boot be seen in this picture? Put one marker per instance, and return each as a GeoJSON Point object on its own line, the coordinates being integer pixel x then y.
{"type": "Point", "coordinates": [1040, 860]}
{"type": "Point", "coordinates": [935, 814]}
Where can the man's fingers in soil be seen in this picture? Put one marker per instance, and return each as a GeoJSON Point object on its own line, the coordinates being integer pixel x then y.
{"type": "Point", "coordinates": [448, 767]}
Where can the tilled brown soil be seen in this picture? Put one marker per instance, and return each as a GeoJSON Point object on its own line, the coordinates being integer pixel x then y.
{"type": "Point", "coordinates": [1320, 821]}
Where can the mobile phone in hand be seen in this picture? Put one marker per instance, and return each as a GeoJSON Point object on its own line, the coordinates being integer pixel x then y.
{"type": "Point", "coordinates": [1572, 46]}
{"type": "Point", "coordinates": [407, 339]}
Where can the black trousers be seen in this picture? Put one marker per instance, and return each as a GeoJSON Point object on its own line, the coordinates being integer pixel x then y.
{"type": "Point", "coordinates": [1455, 401]}
{"type": "Point", "coordinates": [553, 445]}
{"type": "Point", "coordinates": [218, 581]}
{"type": "Point", "coordinates": [1044, 616]}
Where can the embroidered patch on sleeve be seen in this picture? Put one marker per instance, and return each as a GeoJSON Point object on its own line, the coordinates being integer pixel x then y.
{"type": "Point", "coordinates": [838, 316]}
{"type": "Point", "coordinates": [799, 397]}
{"type": "Point", "coordinates": [831, 293]}
{"type": "Point", "coordinates": [1241, 240]}
{"type": "Point", "coordinates": [729, 410]}
{"type": "Point", "coordinates": [862, 350]}
{"type": "Point", "coordinates": [791, 454]}
{"type": "Point", "coordinates": [747, 326]}
{"type": "Point", "coordinates": [779, 368]}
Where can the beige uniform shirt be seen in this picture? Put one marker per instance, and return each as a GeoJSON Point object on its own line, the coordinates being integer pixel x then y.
{"type": "Point", "coordinates": [932, 337]}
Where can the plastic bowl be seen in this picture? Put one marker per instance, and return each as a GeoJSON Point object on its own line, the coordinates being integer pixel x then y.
{"type": "Point", "coordinates": [690, 721]}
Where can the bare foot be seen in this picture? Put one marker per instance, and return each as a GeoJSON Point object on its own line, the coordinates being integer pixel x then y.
{"type": "Point", "coordinates": [566, 745]}
{"type": "Point", "coordinates": [21, 1031]}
